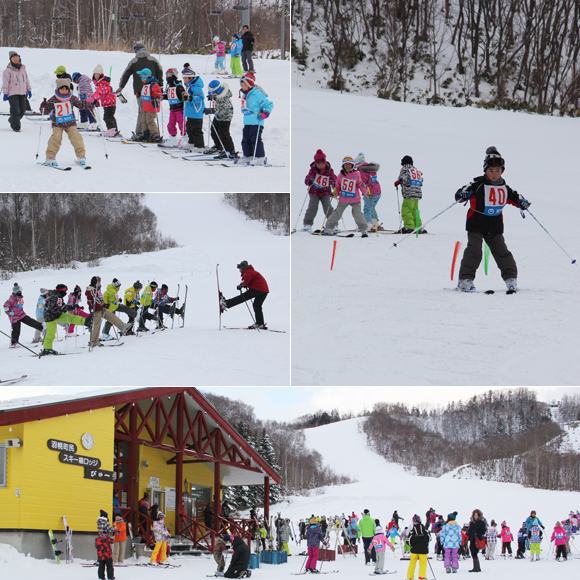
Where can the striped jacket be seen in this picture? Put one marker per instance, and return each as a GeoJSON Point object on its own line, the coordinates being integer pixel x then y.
{"type": "Point", "coordinates": [411, 182]}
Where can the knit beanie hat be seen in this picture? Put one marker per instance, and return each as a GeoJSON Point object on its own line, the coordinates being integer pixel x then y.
{"type": "Point", "coordinates": [407, 160]}
{"type": "Point", "coordinates": [319, 155]}
{"type": "Point", "coordinates": [171, 71]}
{"type": "Point", "coordinates": [12, 53]}
{"type": "Point", "coordinates": [98, 70]}
{"type": "Point", "coordinates": [216, 38]}
{"type": "Point", "coordinates": [416, 518]}
{"type": "Point", "coordinates": [44, 291]}
{"type": "Point", "coordinates": [62, 83]}
{"type": "Point", "coordinates": [359, 159]}
{"type": "Point", "coordinates": [187, 71]}
{"type": "Point", "coordinates": [451, 516]}
{"type": "Point", "coordinates": [215, 87]}
{"type": "Point", "coordinates": [16, 288]}
{"type": "Point", "coordinates": [379, 530]}
{"type": "Point", "coordinates": [60, 70]}
{"type": "Point", "coordinates": [250, 79]}
{"type": "Point", "coordinates": [493, 158]}
{"type": "Point", "coordinates": [242, 265]}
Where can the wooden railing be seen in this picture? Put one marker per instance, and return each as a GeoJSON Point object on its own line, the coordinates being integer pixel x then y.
{"type": "Point", "coordinates": [202, 537]}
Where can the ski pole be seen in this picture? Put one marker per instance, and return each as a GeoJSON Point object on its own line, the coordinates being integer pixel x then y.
{"type": "Point", "coordinates": [246, 303]}
{"type": "Point", "coordinates": [298, 218]}
{"type": "Point", "coordinates": [161, 100]}
{"type": "Point", "coordinates": [18, 342]}
{"type": "Point", "coordinates": [98, 115]}
{"type": "Point", "coordinates": [563, 250]}
{"type": "Point", "coordinates": [325, 217]}
{"type": "Point", "coordinates": [434, 578]}
{"type": "Point", "coordinates": [256, 145]}
{"type": "Point", "coordinates": [303, 564]}
{"type": "Point", "coordinates": [422, 226]}
{"type": "Point", "coordinates": [39, 134]}
{"type": "Point", "coordinates": [399, 206]}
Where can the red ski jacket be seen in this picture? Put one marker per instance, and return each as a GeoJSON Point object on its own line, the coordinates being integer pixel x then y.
{"type": "Point", "coordinates": [254, 280]}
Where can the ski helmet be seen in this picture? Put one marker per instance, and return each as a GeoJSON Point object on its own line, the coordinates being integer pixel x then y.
{"type": "Point", "coordinates": [116, 283]}
{"type": "Point", "coordinates": [61, 290]}
{"type": "Point", "coordinates": [216, 38]}
{"type": "Point", "coordinates": [242, 265]}
{"type": "Point", "coordinates": [215, 87]}
{"type": "Point", "coordinates": [153, 284]}
{"type": "Point", "coordinates": [137, 285]}
{"type": "Point", "coordinates": [76, 77]}
{"type": "Point", "coordinates": [171, 71]}
{"type": "Point", "coordinates": [347, 160]}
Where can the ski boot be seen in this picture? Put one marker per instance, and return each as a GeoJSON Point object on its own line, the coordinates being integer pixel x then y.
{"type": "Point", "coordinates": [46, 351]}
{"type": "Point", "coordinates": [223, 303]}
{"type": "Point", "coordinates": [82, 161]}
{"type": "Point", "coordinates": [51, 161]}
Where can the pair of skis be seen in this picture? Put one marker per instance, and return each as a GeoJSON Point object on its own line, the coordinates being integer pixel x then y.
{"type": "Point", "coordinates": [68, 542]}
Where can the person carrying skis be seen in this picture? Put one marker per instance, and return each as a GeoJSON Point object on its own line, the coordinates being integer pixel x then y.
{"type": "Point", "coordinates": [56, 310]}
{"type": "Point", "coordinates": [219, 49]}
{"type": "Point", "coordinates": [349, 189]}
{"type": "Point", "coordinates": [74, 299]}
{"type": "Point", "coordinates": [487, 195]}
{"type": "Point", "coordinates": [256, 108]}
{"type": "Point", "coordinates": [15, 88]}
{"type": "Point", "coordinates": [314, 536]}
{"type": "Point", "coordinates": [367, 530]}
{"type": "Point", "coordinates": [194, 108]}
{"type": "Point", "coordinates": [14, 308]}
{"type": "Point", "coordinates": [451, 542]}
{"type": "Point", "coordinates": [238, 567]}
{"type": "Point", "coordinates": [368, 173]}
{"type": "Point", "coordinates": [257, 289]}
{"type": "Point", "coordinates": [85, 89]}
{"type": "Point", "coordinates": [174, 96]}
{"type": "Point", "coordinates": [105, 97]}
{"type": "Point", "coordinates": [220, 105]}
{"type": "Point", "coordinates": [419, 542]}
{"type": "Point", "coordinates": [61, 105]}
{"type": "Point", "coordinates": [320, 181]}
{"type": "Point", "coordinates": [161, 534]}
{"type": "Point", "coordinates": [411, 180]}
{"type": "Point", "coordinates": [236, 52]}
{"type": "Point", "coordinates": [111, 299]}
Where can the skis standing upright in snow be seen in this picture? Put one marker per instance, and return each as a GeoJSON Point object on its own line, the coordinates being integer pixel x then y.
{"type": "Point", "coordinates": [69, 547]}
{"type": "Point", "coordinates": [219, 293]}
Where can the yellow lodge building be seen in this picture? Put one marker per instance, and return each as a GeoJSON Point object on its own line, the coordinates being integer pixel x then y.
{"type": "Point", "coordinates": [70, 457]}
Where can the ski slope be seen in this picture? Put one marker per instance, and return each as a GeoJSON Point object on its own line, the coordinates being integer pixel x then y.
{"type": "Point", "coordinates": [382, 316]}
{"type": "Point", "coordinates": [198, 354]}
{"type": "Point", "coordinates": [131, 168]}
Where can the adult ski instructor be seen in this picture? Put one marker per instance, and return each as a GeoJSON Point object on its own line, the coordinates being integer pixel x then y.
{"type": "Point", "coordinates": [141, 60]}
{"type": "Point", "coordinates": [257, 288]}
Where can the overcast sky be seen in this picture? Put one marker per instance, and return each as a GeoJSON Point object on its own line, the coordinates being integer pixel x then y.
{"type": "Point", "coordinates": [288, 403]}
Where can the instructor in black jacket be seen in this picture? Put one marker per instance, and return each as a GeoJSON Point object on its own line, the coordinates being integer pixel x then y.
{"type": "Point", "coordinates": [240, 559]}
{"type": "Point", "coordinates": [247, 49]}
{"type": "Point", "coordinates": [477, 530]}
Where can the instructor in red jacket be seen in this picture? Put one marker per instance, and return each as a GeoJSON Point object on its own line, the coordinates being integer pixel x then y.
{"type": "Point", "coordinates": [257, 288]}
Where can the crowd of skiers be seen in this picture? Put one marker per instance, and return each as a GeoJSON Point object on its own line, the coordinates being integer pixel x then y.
{"type": "Point", "coordinates": [53, 308]}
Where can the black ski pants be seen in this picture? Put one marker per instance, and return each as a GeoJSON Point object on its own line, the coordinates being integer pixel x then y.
{"type": "Point", "coordinates": [521, 548]}
{"type": "Point", "coordinates": [17, 110]}
{"type": "Point", "coordinates": [258, 297]}
{"type": "Point", "coordinates": [26, 320]}
{"type": "Point", "coordinates": [220, 133]}
{"type": "Point", "coordinates": [370, 553]}
{"type": "Point", "coordinates": [194, 128]}
{"type": "Point", "coordinates": [108, 563]}
{"type": "Point", "coordinates": [474, 252]}
{"type": "Point", "coordinates": [109, 117]}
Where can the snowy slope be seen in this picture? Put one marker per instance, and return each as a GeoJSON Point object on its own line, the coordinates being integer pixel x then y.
{"type": "Point", "coordinates": [198, 354]}
{"type": "Point", "coordinates": [382, 315]}
{"type": "Point", "coordinates": [130, 167]}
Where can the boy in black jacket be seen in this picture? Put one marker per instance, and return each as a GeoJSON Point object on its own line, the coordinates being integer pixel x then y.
{"type": "Point", "coordinates": [487, 196]}
{"type": "Point", "coordinates": [238, 567]}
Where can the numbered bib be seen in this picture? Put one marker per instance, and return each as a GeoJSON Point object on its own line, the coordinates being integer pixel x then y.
{"type": "Point", "coordinates": [348, 187]}
{"type": "Point", "coordinates": [63, 112]}
{"type": "Point", "coordinates": [374, 179]}
{"type": "Point", "coordinates": [416, 177]}
{"type": "Point", "coordinates": [495, 199]}
{"type": "Point", "coordinates": [322, 181]}
{"type": "Point", "coordinates": [146, 93]}
{"type": "Point", "coordinates": [172, 97]}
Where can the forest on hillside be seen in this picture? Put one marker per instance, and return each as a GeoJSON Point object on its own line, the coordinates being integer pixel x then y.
{"type": "Point", "coordinates": [503, 435]}
{"type": "Point", "coordinates": [55, 230]}
{"type": "Point", "coordinates": [167, 25]}
{"type": "Point", "coordinates": [513, 54]}
{"type": "Point", "coordinates": [272, 209]}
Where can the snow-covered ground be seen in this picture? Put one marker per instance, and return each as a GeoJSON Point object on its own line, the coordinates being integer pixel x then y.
{"type": "Point", "coordinates": [382, 488]}
{"type": "Point", "coordinates": [131, 167]}
{"type": "Point", "coordinates": [198, 354]}
{"type": "Point", "coordinates": [381, 317]}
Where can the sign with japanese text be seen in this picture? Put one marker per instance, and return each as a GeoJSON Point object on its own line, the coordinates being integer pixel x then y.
{"type": "Point", "coordinates": [81, 460]}
{"type": "Point", "coordinates": [100, 474]}
{"type": "Point", "coordinates": [56, 445]}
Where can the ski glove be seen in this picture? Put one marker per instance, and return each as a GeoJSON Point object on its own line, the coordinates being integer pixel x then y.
{"type": "Point", "coordinates": [209, 111]}
{"type": "Point", "coordinates": [29, 94]}
{"type": "Point", "coordinates": [239, 287]}
{"type": "Point", "coordinates": [524, 203]}
{"type": "Point", "coordinates": [397, 183]}
{"type": "Point", "coordinates": [462, 195]}
{"type": "Point", "coordinates": [5, 97]}
{"type": "Point", "coordinates": [11, 313]}
{"type": "Point", "coordinates": [264, 115]}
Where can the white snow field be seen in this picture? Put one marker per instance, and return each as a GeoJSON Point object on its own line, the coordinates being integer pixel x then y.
{"type": "Point", "coordinates": [381, 488]}
{"type": "Point", "coordinates": [209, 232]}
{"type": "Point", "coordinates": [131, 167]}
{"type": "Point", "coordinates": [382, 316]}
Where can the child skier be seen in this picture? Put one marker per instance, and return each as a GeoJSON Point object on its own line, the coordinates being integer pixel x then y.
{"type": "Point", "coordinates": [368, 173]}
{"type": "Point", "coordinates": [411, 181]}
{"type": "Point", "coordinates": [236, 52]}
{"type": "Point", "coordinates": [349, 188]}
{"type": "Point", "coordinates": [219, 49]}
{"type": "Point", "coordinates": [174, 96]}
{"type": "Point", "coordinates": [257, 288]}
{"type": "Point", "coordinates": [379, 543]}
{"type": "Point", "coordinates": [314, 536]}
{"type": "Point", "coordinates": [419, 541]}
{"type": "Point", "coordinates": [559, 539]}
{"type": "Point", "coordinates": [40, 313]}
{"type": "Point", "coordinates": [491, 540]}
{"type": "Point", "coordinates": [105, 539]}
{"type": "Point", "coordinates": [487, 196]}
{"type": "Point", "coordinates": [522, 535]}
{"type": "Point", "coordinates": [506, 540]}
{"type": "Point", "coordinates": [14, 308]}
{"type": "Point", "coordinates": [320, 181]}
{"type": "Point", "coordinates": [194, 108]}
{"type": "Point", "coordinates": [107, 98]}
{"type": "Point", "coordinates": [256, 108]}
{"type": "Point", "coordinates": [451, 542]}
{"type": "Point", "coordinates": [535, 536]}
{"type": "Point", "coordinates": [151, 97]}
{"type": "Point", "coordinates": [63, 120]}
{"type": "Point", "coordinates": [221, 545]}
{"type": "Point", "coordinates": [221, 107]}
{"type": "Point", "coordinates": [74, 300]}
{"type": "Point", "coordinates": [393, 533]}
{"type": "Point", "coordinates": [161, 534]}
{"type": "Point", "coordinates": [85, 89]}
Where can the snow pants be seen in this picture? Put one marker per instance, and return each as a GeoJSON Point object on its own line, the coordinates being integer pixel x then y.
{"type": "Point", "coordinates": [452, 557]}
{"type": "Point", "coordinates": [312, 209]}
{"type": "Point", "coordinates": [357, 214]}
{"type": "Point", "coordinates": [379, 566]}
{"type": "Point", "coordinates": [252, 144]}
{"type": "Point", "coordinates": [98, 316]}
{"type": "Point", "coordinates": [160, 548]}
{"type": "Point", "coordinates": [473, 254]}
{"type": "Point", "coordinates": [521, 548]}
{"type": "Point", "coordinates": [220, 133]}
{"type": "Point", "coordinates": [109, 117]}
{"type": "Point", "coordinates": [506, 547]}
{"type": "Point", "coordinates": [194, 129]}
{"type": "Point", "coordinates": [312, 561]}
{"type": "Point", "coordinates": [108, 563]}
{"type": "Point", "coordinates": [29, 322]}
{"type": "Point", "coordinates": [65, 317]}
{"type": "Point", "coordinates": [258, 297]}
{"type": "Point", "coordinates": [286, 548]}
{"type": "Point", "coordinates": [86, 114]}
{"type": "Point", "coordinates": [234, 572]}
{"type": "Point", "coordinates": [149, 123]}
{"type": "Point", "coordinates": [220, 63]}
{"type": "Point", "coordinates": [489, 551]}
{"type": "Point", "coordinates": [561, 552]}
{"type": "Point", "coordinates": [535, 550]}
{"type": "Point", "coordinates": [370, 210]}
{"type": "Point", "coordinates": [77, 312]}
{"type": "Point", "coordinates": [413, 564]}
{"type": "Point", "coordinates": [409, 211]}
{"type": "Point", "coordinates": [38, 331]}
{"type": "Point", "coordinates": [130, 312]}
{"type": "Point", "coordinates": [119, 551]}
{"type": "Point", "coordinates": [55, 141]}
{"type": "Point", "coordinates": [175, 121]}
{"type": "Point", "coordinates": [138, 124]}
{"type": "Point", "coordinates": [236, 66]}
{"type": "Point", "coordinates": [220, 561]}
{"type": "Point", "coordinates": [370, 553]}
{"type": "Point", "coordinates": [17, 110]}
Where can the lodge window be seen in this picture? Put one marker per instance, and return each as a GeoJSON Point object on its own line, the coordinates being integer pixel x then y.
{"type": "Point", "coordinates": [3, 465]}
